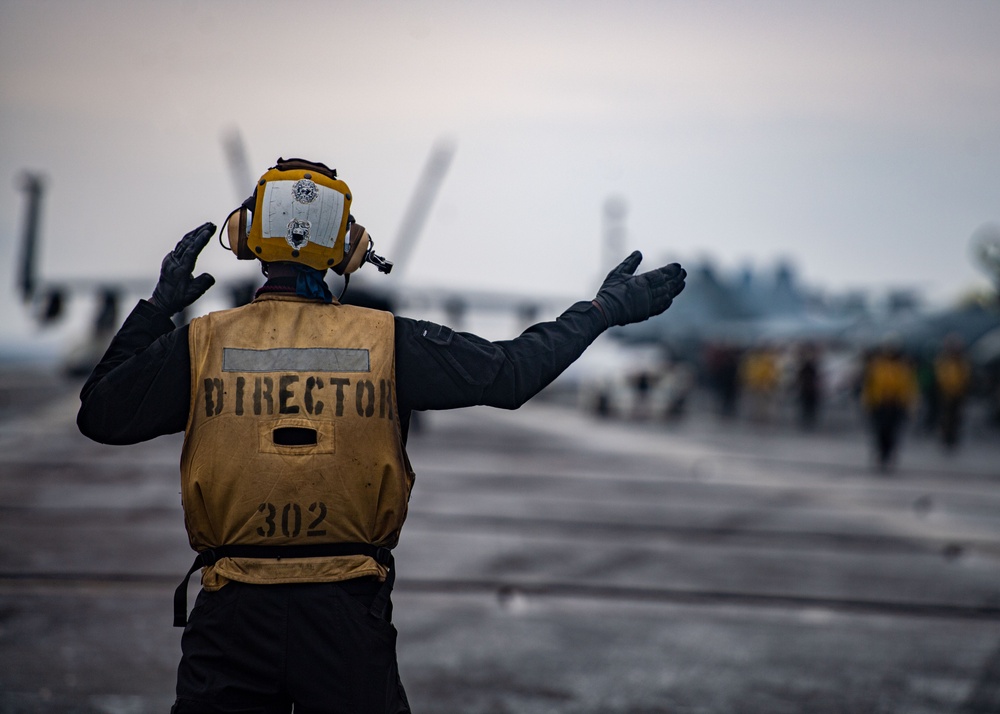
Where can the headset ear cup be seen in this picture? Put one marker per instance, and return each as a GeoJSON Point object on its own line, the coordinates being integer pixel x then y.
{"type": "Point", "coordinates": [238, 237]}
{"type": "Point", "coordinates": [233, 231]}
{"type": "Point", "coordinates": [360, 241]}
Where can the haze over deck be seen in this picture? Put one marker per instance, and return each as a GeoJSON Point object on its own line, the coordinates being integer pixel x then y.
{"type": "Point", "coordinates": [860, 139]}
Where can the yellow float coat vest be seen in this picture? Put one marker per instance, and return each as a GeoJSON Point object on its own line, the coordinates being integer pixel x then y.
{"type": "Point", "coordinates": [952, 375]}
{"type": "Point", "coordinates": [293, 438]}
{"type": "Point", "coordinates": [889, 382]}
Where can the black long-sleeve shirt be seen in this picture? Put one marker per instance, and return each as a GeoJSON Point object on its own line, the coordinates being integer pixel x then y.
{"type": "Point", "coordinates": [141, 387]}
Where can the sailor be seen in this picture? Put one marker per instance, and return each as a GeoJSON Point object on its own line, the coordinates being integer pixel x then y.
{"type": "Point", "coordinates": [295, 410]}
{"type": "Point", "coordinates": [952, 378]}
{"type": "Point", "coordinates": [888, 394]}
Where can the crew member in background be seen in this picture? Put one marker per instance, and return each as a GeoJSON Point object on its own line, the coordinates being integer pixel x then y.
{"type": "Point", "coordinates": [952, 375]}
{"type": "Point", "coordinates": [809, 385]}
{"type": "Point", "coordinates": [295, 410]}
{"type": "Point", "coordinates": [888, 393]}
{"type": "Point", "coordinates": [761, 377]}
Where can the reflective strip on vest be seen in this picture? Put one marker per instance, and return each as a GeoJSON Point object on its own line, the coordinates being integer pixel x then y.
{"type": "Point", "coordinates": [296, 359]}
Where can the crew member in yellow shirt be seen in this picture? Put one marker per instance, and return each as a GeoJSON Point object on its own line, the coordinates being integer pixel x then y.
{"type": "Point", "coordinates": [888, 393]}
{"type": "Point", "coordinates": [952, 375]}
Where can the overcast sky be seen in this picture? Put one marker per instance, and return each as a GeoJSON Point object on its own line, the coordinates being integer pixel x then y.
{"type": "Point", "coordinates": [860, 140]}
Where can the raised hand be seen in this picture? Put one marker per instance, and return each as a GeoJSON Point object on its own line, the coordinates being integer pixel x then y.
{"type": "Point", "coordinates": [625, 298]}
{"type": "Point", "coordinates": [177, 287]}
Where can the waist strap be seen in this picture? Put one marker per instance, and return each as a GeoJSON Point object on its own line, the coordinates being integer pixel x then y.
{"type": "Point", "coordinates": [205, 558]}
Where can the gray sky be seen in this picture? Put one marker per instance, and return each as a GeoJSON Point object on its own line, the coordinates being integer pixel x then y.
{"type": "Point", "coordinates": [860, 140]}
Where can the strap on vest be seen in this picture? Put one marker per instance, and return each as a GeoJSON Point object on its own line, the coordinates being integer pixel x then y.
{"type": "Point", "coordinates": [208, 557]}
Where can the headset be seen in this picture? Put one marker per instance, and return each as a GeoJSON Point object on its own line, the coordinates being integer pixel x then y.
{"type": "Point", "coordinates": [299, 212]}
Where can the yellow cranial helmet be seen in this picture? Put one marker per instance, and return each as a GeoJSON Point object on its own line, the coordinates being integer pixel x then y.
{"type": "Point", "coordinates": [300, 214]}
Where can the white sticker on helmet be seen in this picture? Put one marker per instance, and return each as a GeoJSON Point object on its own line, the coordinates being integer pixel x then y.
{"type": "Point", "coordinates": [287, 216]}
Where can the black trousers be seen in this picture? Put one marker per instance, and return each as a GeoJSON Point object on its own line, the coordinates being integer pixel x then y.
{"type": "Point", "coordinates": [267, 648]}
{"type": "Point", "coordinates": [951, 421]}
{"type": "Point", "coordinates": [887, 421]}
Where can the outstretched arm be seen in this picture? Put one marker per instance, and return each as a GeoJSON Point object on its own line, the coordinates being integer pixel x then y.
{"type": "Point", "coordinates": [140, 388]}
{"type": "Point", "coordinates": [437, 368]}
{"type": "Point", "coordinates": [625, 298]}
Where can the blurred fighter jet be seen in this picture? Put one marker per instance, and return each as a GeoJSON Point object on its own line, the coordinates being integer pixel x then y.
{"type": "Point", "coordinates": [48, 300]}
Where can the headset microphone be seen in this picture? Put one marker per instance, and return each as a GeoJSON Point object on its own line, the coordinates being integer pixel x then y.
{"type": "Point", "coordinates": [383, 265]}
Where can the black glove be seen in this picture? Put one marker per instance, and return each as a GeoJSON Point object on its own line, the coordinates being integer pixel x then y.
{"type": "Point", "coordinates": [625, 298]}
{"type": "Point", "coordinates": [177, 287]}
